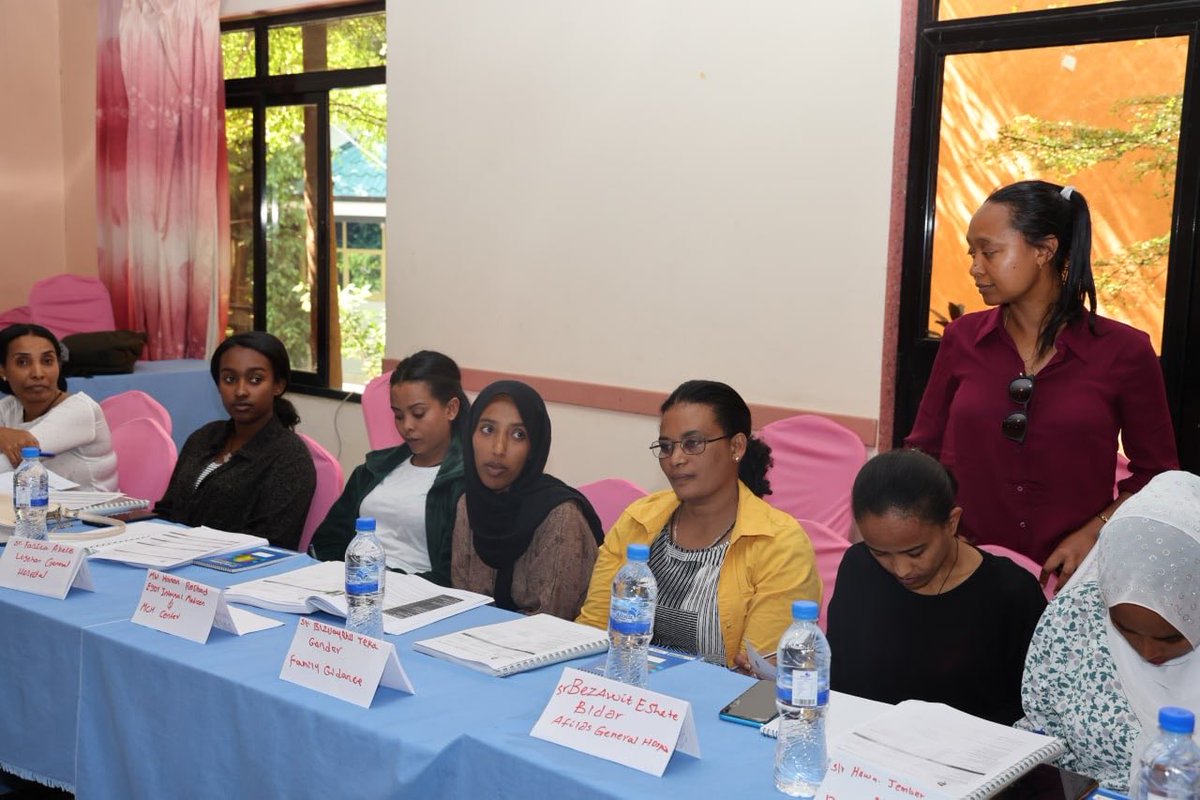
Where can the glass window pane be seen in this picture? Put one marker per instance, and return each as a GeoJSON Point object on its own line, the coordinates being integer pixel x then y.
{"type": "Point", "coordinates": [962, 9]}
{"type": "Point", "coordinates": [364, 235]}
{"type": "Point", "coordinates": [290, 230]}
{"type": "Point", "coordinates": [1102, 117]}
{"type": "Point", "coordinates": [237, 54]}
{"type": "Point", "coordinates": [238, 135]}
{"type": "Point", "coordinates": [358, 151]}
{"type": "Point", "coordinates": [343, 43]}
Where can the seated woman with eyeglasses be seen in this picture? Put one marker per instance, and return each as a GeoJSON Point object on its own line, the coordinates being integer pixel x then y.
{"type": "Point", "coordinates": [951, 622]}
{"type": "Point", "coordinates": [520, 535]}
{"type": "Point", "coordinates": [728, 565]}
{"type": "Point", "coordinates": [1026, 401]}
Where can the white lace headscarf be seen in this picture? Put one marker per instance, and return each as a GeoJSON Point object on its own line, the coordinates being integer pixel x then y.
{"type": "Point", "coordinates": [1149, 556]}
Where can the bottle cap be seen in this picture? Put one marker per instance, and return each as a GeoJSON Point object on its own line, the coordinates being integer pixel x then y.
{"type": "Point", "coordinates": [805, 610]}
{"type": "Point", "coordinates": [638, 552]}
{"type": "Point", "coordinates": [364, 524]}
{"type": "Point", "coordinates": [30, 452]}
{"type": "Point", "coordinates": [1173, 719]}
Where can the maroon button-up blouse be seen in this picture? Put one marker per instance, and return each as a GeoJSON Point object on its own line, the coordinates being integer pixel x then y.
{"type": "Point", "coordinates": [1028, 496]}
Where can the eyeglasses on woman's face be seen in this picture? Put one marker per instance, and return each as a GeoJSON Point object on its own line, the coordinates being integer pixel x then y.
{"type": "Point", "coordinates": [692, 444]}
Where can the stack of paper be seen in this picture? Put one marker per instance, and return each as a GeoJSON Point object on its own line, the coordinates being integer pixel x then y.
{"type": "Point", "coordinates": [161, 546]}
{"type": "Point", "coordinates": [409, 602]}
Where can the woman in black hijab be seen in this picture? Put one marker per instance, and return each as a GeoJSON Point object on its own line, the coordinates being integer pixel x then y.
{"type": "Point", "coordinates": [520, 535]}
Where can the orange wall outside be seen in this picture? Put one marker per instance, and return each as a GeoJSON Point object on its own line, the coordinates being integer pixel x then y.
{"type": "Point", "coordinates": [47, 142]}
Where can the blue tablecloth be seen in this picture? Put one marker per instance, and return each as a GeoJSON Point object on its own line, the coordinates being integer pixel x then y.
{"type": "Point", "coordinates": [184, 387]}
{"type": "Point", "coordinates": [163, 713]}
{"type": "Point", "coordinates": [111, 709]}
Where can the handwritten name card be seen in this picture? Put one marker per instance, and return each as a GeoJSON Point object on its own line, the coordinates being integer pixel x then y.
{"type": "Point", "coordinates": [46, 568]}
{"type": "Point", "coordinates": [191, 610]}
{"type": "Point", "coordinates": [854, 778]}
{"type": "Point", "coordinates": [342, 664]}
{"type": "Point", "coordinates": [635, 727]}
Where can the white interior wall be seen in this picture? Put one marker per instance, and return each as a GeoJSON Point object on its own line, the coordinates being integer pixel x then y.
{"type": "Point", "coordinates": [637, 193]}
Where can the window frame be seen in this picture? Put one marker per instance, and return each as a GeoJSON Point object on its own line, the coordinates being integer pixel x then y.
{"type": "Point", "coordinates": [263, 91]}
{"type": "Point", "coordinates": [1090, 24]}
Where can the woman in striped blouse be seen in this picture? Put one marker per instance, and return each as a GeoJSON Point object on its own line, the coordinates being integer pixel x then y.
{"type": "Point", "coordinates": [728, 565]}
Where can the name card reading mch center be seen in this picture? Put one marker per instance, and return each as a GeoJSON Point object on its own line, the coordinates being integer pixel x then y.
{"type": "Point", "coordinates": [191, 610]}
{"type": "Point", "coordinates": [617, 722]}
{"type": "Point", "coordinates": [46, 568]}
{"type": "Point", "coordinates": [342, 664]}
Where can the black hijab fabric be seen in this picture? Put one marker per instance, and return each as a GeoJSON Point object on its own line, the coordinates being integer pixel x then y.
{"type": "Point", "coordinates": [503, 523]}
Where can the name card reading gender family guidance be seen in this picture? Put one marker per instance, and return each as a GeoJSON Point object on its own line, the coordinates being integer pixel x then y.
{"type": "Point", "coordinates": [342, 664]}
{"type": "Point", "coordinates": [46, 568]}
{"type": "Point", "coordinates": [191, 610]}
{"type": "Point", "coordinates": [635, 727]}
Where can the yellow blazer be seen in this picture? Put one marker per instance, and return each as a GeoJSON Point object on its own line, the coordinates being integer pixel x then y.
{"type": "Point", "coordinates": [769, 564]}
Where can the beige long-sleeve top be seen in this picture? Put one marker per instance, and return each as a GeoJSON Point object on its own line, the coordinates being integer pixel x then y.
{"type": "Point", "coordinates": [551, 577]}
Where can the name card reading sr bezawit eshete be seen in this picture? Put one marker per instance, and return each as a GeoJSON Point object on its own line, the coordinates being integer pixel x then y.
{"type": "Point", "coordinates": [618, 722]}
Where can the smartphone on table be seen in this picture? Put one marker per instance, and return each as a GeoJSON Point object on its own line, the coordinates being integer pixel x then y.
{"type": "Point", "coordinates": [755, 706]}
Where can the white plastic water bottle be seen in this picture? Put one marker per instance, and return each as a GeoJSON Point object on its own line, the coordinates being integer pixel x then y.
{"type": "Point", "coordinates": [366, 574]}
{"type": "Point", "coordinates": [31, 495]}
{"type": "Point", "coordinates": [631, 618]}
{"type": "Point", "coordinates": [802, 697]}
{"type": "Point", "coordinates": [1170, 766]}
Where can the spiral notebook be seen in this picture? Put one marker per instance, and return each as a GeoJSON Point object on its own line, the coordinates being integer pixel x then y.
{"type": "Point", "coordinates": [934, 750]}
{"type": "Point", "coordinates": [507, 648]}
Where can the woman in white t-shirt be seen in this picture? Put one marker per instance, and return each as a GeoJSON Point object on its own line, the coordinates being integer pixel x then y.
{"type": "Point", "coordinates": [411, 490]}
{"type": "Point", "coordinates": [37, 411]}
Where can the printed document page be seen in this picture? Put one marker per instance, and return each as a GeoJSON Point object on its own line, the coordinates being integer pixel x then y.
{"type": "Point", "coordinates": [161, 546]}
{"type": "Point", "coordinates": [938, 746]}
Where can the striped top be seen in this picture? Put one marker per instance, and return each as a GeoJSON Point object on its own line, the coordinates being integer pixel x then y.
{"type": "Point", "coordinates": [209, 469]}
{"type": "Point", "coordinates": [687, 617]}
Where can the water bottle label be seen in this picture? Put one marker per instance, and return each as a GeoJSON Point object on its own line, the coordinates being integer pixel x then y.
{"type": "Point", "coordinates": [629, 616]}
{"type": "Point", "coordinates": [362, 588]}
{"type": "Point", "coordinates": [39, 502]}
{"type": "Point", "coordinates": [804, 687]}
{"type": "Point", "coordinates": [637, 627]}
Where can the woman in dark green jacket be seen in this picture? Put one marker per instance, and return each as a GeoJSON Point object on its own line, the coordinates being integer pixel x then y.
{"type": "Point", "coordinates": [412, 490]}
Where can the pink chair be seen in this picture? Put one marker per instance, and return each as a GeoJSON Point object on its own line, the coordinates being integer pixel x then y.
{"type": "Point", "coordinates": [1026, 563]}
{"type": "Point", "coordinates": [69, 304]}
{"type": "Point", "coordinates": [1122, 473]}
{"type": "Point", "coordinates": [815, 463]}
{"type": "Point", "coordinates": [377, 413]}
{"type": "Point", "coordinates": [146, 458]}
{"type": "Point", "coordinates": [329, 488]}
{"type": "Point", "coordinates": [829, 546]}
{"type": "Point", "coordinates": [134, 404]}
{"type": "Point", "coordinates": [15, 316]}
{"type": "Point", "coordinates": [610, 497]}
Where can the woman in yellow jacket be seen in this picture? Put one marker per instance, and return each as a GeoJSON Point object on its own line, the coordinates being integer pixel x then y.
{"type": "Point", "coordinates": [728, 565]}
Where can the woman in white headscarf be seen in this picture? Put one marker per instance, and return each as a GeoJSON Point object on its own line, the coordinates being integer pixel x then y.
{"type": "Point", "coordinates": [1120, 642]}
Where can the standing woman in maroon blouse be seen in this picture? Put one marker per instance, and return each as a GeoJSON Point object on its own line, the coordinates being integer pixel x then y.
{"type": "Point", "coordinates": [1026, 400]}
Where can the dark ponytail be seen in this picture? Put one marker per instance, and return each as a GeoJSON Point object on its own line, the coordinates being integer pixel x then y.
{"type": "Point", "coordinates": [442, 376]}
{"type": "Point", "coordinates": [269, 346]}
{"type": "Point", "coordinates": [733, 416]}
{"type": "Point", "coordinates": [1039, 210]}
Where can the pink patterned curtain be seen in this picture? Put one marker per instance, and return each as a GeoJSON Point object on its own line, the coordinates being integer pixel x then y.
{"type": "Point", "coordinates": [162, 178]}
